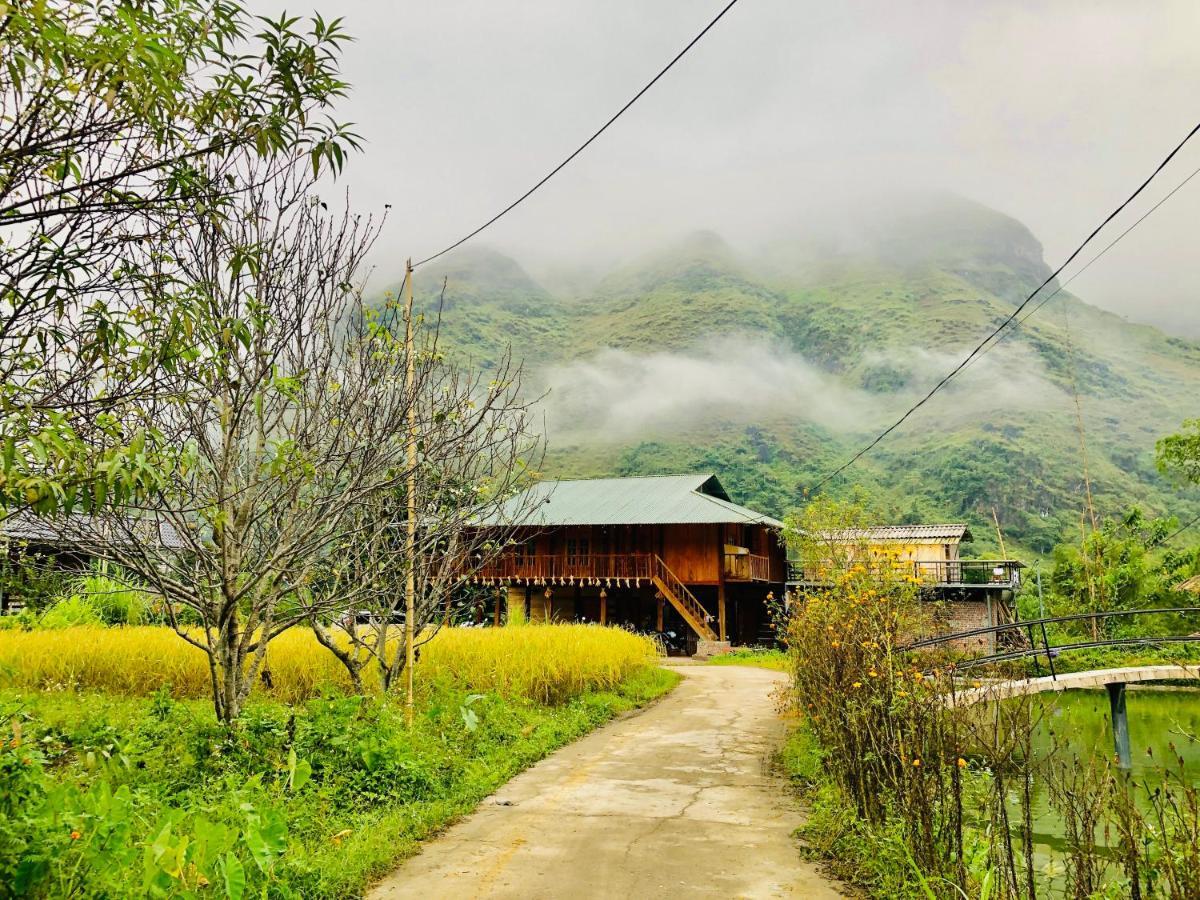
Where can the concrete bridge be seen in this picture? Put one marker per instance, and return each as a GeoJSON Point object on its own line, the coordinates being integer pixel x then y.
{"type": "Point", "coordinates": [1112, 680]}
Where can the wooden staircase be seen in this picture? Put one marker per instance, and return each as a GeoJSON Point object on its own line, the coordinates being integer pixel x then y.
{"type": "Point", "coordinates": [681, 598]}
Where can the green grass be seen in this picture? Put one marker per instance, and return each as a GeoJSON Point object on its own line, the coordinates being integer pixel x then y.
{"type": "Point", "coordinates": [763, 659]}
{"type": "Point", "coordinates": [111, 796]}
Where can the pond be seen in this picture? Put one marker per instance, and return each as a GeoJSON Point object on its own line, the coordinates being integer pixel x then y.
{"type": "Point", "coordinates": [1076, 724]}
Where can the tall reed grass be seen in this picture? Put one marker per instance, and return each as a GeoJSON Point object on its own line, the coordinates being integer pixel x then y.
{"type": "Point", "coordinates": [546, 663]}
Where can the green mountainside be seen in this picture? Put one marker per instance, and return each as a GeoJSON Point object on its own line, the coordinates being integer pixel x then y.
{"type": "Point", "coordinates": [772, 368]}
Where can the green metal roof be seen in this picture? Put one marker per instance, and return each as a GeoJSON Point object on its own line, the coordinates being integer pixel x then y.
{"type": "Point", "coordinates": [646, 500]}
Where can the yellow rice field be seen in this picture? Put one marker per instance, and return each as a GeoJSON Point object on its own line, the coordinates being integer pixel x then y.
{"type": "Point", "coordinates": [547, 663]}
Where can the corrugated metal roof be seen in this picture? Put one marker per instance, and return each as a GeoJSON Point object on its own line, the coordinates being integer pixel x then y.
{"type": "Point", "coordinates": [645, 500]}
{"type": "Point", "coordinates": [1191, 584]}
{"type": "Point", "coordinates": [79, 529]}
{"type": "Point", "coordinates": [937, 534]}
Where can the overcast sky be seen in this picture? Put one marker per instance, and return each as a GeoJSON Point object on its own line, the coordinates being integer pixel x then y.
{"type": "Point", "coordinates": [1049, 111]}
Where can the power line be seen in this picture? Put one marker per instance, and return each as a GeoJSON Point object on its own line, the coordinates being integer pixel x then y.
{"type": "Point", "coordinates": [663, 71]}
{"type": "Point", "coordinates": [1178, 531]}
{"type": "Point", "coordinates": [1110, 245]}
{"type": "Point", "coordinates": [980, 347]}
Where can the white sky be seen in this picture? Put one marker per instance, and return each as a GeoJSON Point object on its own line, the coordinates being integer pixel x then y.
{"type": "Point", "coordinates": [1051, 112]}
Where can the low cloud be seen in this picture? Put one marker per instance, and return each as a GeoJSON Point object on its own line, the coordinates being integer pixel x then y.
{"type": "Point", "coordinates": [616, 395]}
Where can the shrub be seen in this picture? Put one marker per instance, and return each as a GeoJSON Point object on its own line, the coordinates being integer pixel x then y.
{"type": "Point", "coordinates": [66, 612]}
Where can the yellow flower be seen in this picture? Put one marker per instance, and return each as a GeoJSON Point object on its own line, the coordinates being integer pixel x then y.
{"type": "Point", "coordinates": [857, 684]}
{"type": "Point", "coordinates": [916, 763]}
{"type": "Point", "coordinates": [962, 763]}
{"type": "Point", "coordinates": [873, 674]}
{"type": "Point", "coordinates": [835, 644]}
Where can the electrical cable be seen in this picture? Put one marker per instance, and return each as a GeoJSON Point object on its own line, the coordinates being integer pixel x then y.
{"type": "Point", "coordinates": [562, 165]}
{"type": "Point", "coordinates": [1063, 285]}
{"type": "Point", "coordinates": [1014, 315]}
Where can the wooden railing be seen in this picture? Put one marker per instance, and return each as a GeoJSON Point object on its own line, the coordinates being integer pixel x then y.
{"type": "Point", "coordinates": [950, 573]}
{"type": "Point", "coordinates": [527, 567]}
{"type": "Point", "coordinates": [747, 567]}
{"type": "Point", "coordinates": [683, 600]}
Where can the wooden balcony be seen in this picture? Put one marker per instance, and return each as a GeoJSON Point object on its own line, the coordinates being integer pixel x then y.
{"type": "Point", "coordinates": [954, 573]}
{"type": "Point", "coordinates": [747, 567]}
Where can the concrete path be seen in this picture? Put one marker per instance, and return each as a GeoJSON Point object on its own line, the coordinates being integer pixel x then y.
{"type": "Point", "coordinates": [675, 801]}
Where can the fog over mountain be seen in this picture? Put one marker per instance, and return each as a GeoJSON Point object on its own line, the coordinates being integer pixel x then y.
{"type": "Point", "coordinates": [787, 112]}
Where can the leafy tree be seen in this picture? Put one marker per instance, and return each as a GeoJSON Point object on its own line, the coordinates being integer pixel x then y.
{"type": "Point", "coordinates": [1179, 454]}
{"type": "Point", "coordinates": [1120, 566]}
{"type": "Point", "coordinates": [116, 121]}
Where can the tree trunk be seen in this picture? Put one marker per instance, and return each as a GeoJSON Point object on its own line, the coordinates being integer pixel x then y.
{"type": "Point", "coordinates": [229, 655]}
{"type": "Point", "coordinates": [348, 656]}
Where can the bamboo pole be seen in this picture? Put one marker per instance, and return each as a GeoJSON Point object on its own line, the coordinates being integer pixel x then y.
{"type": "Point", "coordinates": [410, 539]}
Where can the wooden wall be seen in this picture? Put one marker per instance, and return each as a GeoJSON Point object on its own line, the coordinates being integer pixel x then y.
{"type": "Point", "coordinates": [695, 553]}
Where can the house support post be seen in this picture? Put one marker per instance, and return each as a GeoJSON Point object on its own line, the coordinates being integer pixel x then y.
{"type": "Point", "coordinates": [720, 583]}
{"type": "Point", "coordinates": [1120, 724]}
{"type": "Point", "coordinates": [603, 607]}
{"type": "Point", "coordinates": [496, 617]}
{"type": "Point", "coordinates": [661, 603]}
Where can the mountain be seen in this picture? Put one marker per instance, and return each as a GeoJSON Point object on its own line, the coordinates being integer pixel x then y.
{"type": "Point", "coordinates": [773, 366]}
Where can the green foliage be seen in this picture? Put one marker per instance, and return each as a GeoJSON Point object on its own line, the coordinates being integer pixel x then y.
{"type": "Point", "coordinates": [106, 796]}
{"type": "Point", "coordinates": [753, 656]}
{"type": "Point", "coordinates": [1121, 566]}
{"type": "Point", "coordinates": [116, 599]}
{"type": "Point", "coordinates": [125, 119]}
{"type": "Point", "coordinates": [1179, 454]}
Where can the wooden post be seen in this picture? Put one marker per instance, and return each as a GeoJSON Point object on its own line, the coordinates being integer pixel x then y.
{"type": "Point", "coordinates": [603, 606]}
{"type": "Point", "coordinates": [410, 537]}
{"type": "Point", "coordinates": [496, 621]}
{"type": "Point", "coordinates": [661, 603]}
{"type": "Point", "coordinates": [720, 583]}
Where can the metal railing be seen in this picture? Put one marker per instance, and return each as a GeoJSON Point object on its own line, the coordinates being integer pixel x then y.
{"type": "Point", "coordinates": [951, 573]}
{"type": "Point", "coordinates": [1030, 630]}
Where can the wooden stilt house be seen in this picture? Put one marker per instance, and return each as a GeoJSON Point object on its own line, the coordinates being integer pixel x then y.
{"type": "Point", "coordinates": [657, 553]}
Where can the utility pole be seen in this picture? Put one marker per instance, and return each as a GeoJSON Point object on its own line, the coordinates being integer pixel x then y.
{"type": "Point", "coordinates": [999, 533]}
{"type": "Point", "coordinates": [1041, 600]}
{"type": "Point", "coordinates": [410, 539]}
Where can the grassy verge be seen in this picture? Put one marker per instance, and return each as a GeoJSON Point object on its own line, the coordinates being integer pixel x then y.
{"type": "Point", "coordinates": [108, 795]}
{"type": "Point", "coordinates": [763, 659]}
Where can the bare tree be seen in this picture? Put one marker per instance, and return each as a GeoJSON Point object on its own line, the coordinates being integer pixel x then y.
{"type": "Point", "coordinates": [478, 447]}
{"type": "Point", "coordinates": [289, 422]}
